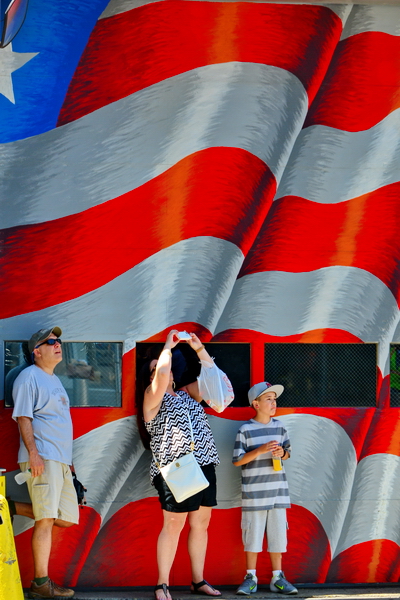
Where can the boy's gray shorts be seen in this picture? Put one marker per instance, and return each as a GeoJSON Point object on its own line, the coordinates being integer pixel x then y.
{"type": "Point", "coordinates": [256, 523]}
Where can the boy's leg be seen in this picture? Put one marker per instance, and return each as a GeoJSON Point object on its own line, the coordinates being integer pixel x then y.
{"type": "Point", "coordinates": [253, 528]}
{"type": "Point", "coordinates": [251, 560]}
{"type": "Point", "coordinates": [276, 560]}
{"type": "Point", "coordinates": [277, 542]}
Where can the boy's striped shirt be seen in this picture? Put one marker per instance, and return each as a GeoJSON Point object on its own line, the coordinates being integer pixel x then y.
{"type": "Point", "coordinates": [262, 487]}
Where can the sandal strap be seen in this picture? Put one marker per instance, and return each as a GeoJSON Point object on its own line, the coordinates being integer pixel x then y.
{"type": "Point", "coordinates": [163, 587]}
{"type": "Point", "coordinates": [197, 586]}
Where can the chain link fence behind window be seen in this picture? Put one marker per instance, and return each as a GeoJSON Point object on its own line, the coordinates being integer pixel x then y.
{"type": "Point", "coordinates": [323, 374]}
{"type": "Point", "coordinates": [395, 375]}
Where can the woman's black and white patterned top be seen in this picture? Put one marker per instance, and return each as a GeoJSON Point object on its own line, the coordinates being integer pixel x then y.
{"type": "Point", "coordinates": [171, 436]}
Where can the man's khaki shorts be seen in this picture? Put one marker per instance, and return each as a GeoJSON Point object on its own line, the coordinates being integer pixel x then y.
{"type": "Point", "coordinates": [52, 493]}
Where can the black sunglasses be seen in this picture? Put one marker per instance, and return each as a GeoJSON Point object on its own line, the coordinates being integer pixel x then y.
{"type": "Point", "coordinates": [50, 342]}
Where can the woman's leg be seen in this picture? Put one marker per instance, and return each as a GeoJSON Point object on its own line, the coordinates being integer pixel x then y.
{"type": "Point", "coordinates": [197, 545]}
{"type": "Point", "coordinates": [166, 546]}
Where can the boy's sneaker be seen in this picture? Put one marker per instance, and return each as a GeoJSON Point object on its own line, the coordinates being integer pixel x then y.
{"type": "Point", "coordinates": [249, 585]}
{"type": "Point", "coordinates": [282, 585]}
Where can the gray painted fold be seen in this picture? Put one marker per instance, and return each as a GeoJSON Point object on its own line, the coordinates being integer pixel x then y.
{"type": "Point", "coordinates": [373, 512]}
{"type": "Point", "coordinates": [321, 486]}
{"type": "Point", "coordinates": [329, 165]}
{"type": "Point", "coordinates": [18, 493]}
{"type": "Point", "coordinates": [104, 459]}
{"type": "Point", "coordinates": [123, 145]}
{"type": "Point", "coordinates": [116, 7]}
{"type": "Point", "coordinates": [372, 18]}
{"type": "Point", "coordinates": [336, 297]}
{"type": "Point", "coordinates": [189, 281]}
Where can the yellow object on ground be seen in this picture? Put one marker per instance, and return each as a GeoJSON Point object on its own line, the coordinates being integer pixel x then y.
{"type": "Point", "coordinates": [10, 580]}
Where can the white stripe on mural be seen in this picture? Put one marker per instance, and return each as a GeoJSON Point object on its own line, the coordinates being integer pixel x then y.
{"type": "Point", "coordinates": [116, 7]}
{"type": "Point", "coordinates": [372, 18]}
{"type": "Point", "coordinates": [329, 165]}
{"type": "Point", "coordinates": [374, 506]}
{"type": "Point", "coordinates": [319, 485]}
{"type": "Point", "coordinates": [251, 106]}
{"type": "Point", "coordinates": [190, 281]}
{"type": "Point", "coordinates": [105, 458]}
{"type": "Point", "coordinates": [288, 303]}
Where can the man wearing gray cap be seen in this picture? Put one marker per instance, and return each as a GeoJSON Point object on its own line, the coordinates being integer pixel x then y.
{"type": "Point", "coordinates": [260, 446]}
{"type": "Point", "coordinates": [41, 408]}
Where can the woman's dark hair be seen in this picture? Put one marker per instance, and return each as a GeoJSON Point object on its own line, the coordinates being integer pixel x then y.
{"type": "Point", "coordinates": [142, 383]}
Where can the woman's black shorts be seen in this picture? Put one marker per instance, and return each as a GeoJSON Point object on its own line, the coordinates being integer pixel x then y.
{"type": "Point", "coordinates": [207, 497]}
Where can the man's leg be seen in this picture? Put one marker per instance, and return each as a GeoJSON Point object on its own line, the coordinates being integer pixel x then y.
{"type": "Point", "coordinates": [23, 509]}
{"type": "Point", "coordinates": [41, 546]}
{"type": "Point", "coordinates": [63, 524]}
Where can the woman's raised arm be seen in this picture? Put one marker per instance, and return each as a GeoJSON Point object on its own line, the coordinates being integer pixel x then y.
{"type": "Point", "coordinates": [195, 343]}
{"type": "Point", "coordinates": [160, 378]}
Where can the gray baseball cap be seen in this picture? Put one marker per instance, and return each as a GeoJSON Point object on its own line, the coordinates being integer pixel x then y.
{"type": "Point", "coordinates": [260, 388]}
{"type": "Point", "coordinates": [41, 336]}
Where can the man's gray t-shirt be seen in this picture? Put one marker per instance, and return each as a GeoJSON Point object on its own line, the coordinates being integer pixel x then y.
{"type": "Point", "coordinates": [42, 398]}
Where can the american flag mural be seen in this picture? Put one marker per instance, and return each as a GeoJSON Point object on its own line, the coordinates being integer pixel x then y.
{"type": "Point", "coordinates": [227, 167]}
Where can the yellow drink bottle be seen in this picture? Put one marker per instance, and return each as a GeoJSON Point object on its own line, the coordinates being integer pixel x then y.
{"type": "Point", "coordinates": [277, 464]}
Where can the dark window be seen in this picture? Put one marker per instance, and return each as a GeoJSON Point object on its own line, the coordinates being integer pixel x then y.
{"type": "Point", "coordinates": [233, 359]}
{"type": "Point", "coordinates": [90, 371]}
{"type": "Point", "coordinates": [323, 374]}
{"type": "Point", "coordinates": [394, 374]}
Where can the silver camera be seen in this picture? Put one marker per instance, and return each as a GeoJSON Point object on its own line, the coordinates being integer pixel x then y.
{"type": "Point", "coordinates": [183, 335]}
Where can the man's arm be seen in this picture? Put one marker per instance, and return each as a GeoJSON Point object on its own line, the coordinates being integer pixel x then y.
{"type": "Point", "coordinates": [35, 460]}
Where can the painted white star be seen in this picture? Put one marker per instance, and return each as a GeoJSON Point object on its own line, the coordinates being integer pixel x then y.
{"type": "Point", "coordinates": [9, 62]}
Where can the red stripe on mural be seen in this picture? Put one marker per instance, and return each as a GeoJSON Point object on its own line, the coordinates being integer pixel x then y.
{"type": "Point", "coordinates": [362, 84]}
{"type": "Point", "coordinates": [219, 192]}
{"type": "Point", "coordinates": [384, 433]}
{"type": "Point", "coordinates": [119, 556]}
{"type": "Point", "coordinates": [368, 562]}
{"type": "Point", "coordinates": [138, 48]}
{"type": "Point", "coordinates": [299, 235]}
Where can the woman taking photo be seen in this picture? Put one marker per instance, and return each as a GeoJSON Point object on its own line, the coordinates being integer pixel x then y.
{"type": "Point", "coordinates": [166, 418]}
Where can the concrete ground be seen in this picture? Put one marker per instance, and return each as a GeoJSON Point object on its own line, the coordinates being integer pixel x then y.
{"type": "Point", "coordinates": [307, 593]}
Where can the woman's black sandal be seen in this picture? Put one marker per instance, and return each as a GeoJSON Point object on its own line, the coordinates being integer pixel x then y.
{"type": "Point", "coordinates": [197, 586]}
{"type": "Point", "coordinates": [164, 588]}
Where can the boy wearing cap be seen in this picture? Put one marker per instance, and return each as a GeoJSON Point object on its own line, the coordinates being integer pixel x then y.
{"type": "Point", "coordinates": [265, 493]}
{"type": "Point", "coordinates": [41, 408]}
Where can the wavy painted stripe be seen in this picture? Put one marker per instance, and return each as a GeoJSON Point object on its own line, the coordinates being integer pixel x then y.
{"type": "Point", "coordinates": [109, 239]}
{"type": "Point", "coordinates": [369, 562]}
{"type": "Point", "coordinates": [171, 286]}
{"type": "Point", "coordinates": [319, 486]}
{"type": "Point", "coordinates": [375, 493]}
{"type": "Point", "coordinates": [120, 147]}
{"type": "Point", "coordinates": [331, 166]}
{"type": "Point", "coordinates": [372, 18]}
{"type": "Point", "coordinates": [114, 449]}
{"type": "Point", "coordinates": [383, 434]}
{"type": "Point", "coordinates": [308, 481]}
{"type": "Point", "coordinates": [290, 303]}
{"type": "Point", "coordinates": [361, 85]}
{"type": "Point", "coordinates": [116, 7]}
{"type": "Point", "coordinates": [131, 51]}
{"type": "Point", "coordinates": [299, 235]}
